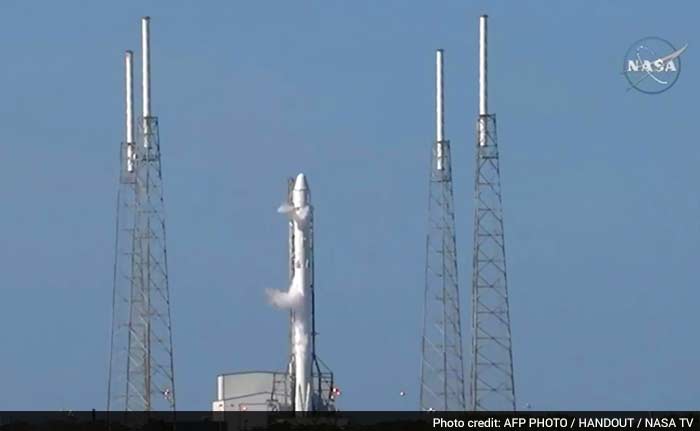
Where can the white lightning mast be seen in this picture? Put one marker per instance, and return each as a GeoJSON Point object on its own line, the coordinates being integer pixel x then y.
{"type": "Point", "coordinates": [141, 358]}
{"type": "Point", "coordinates": [492, 385]}
{"type": "Point", "coordinates": [129, 62]}
{"type": "Point", "coordinates": [442, 373]}
{"type": "Point", "coordinates": [439, 110]}
{"type": "Point", "coordinates": [146, 74]}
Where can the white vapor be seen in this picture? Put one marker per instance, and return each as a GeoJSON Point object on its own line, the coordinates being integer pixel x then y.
{"type": "Point", "coordinates": [299, 215]}
{"type": "Point", "coordinates": [280, 299]}
{"type": "Point", "coordinates": [285, 208]}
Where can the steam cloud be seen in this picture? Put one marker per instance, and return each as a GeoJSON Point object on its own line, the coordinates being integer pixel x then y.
{"type": "Point", "coordinates": [290, 299]}
{"type": "Point", "coordinates": [285, 208]}
{"type": "Point", "coordinates": [299, 215]}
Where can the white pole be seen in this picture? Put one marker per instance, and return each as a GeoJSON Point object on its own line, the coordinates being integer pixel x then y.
{"type": "Point", "coordinates": [439, 109]}
{"type": "Point", "coordinates": [220, 388]}
{"type": "Point", "coordinates": [146, 73]}
{"type": "Point", "coordinates": [129, 61]}
{"type": "Point", "coordinates": [483, 107]}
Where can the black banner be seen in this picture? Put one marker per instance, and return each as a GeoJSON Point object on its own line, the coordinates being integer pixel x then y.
{"type": "Point", "coordinates": [230, 421]}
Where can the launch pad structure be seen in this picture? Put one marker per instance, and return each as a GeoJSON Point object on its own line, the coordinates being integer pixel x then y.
{"type": "Point", "coordinates": [442, 362]}
{"type": "Point", "coordinates": [491, 379]}
{"type": "Point", "coordinates": [141, 367]}
{"type": "Point", "coordinates": [141, 370]}
{"type": "Point", "coordinates": [492, 383]}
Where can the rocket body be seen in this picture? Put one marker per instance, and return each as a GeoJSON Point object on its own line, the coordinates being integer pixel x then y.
{"type": "Point", "coordinates": [299, 297]}
{"type": "Point", "coordinates": [301, 216]}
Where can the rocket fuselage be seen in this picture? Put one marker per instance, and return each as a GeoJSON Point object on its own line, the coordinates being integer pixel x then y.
{"type": "Point", "coordinates": [301, 215]}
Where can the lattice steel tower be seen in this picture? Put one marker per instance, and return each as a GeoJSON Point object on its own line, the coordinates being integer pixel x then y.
{"type": "Point", "coordinates": [442, 365]}
{"type": "Point", "coordinates": [141, 376]}
{"type": "Point", "coordinates": [492, 384]}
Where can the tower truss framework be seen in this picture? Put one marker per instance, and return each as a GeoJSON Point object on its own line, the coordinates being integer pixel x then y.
{"type": "Point", "coordinates": [141, 366]}
{"type": "Point", "coordinates": [492, 384]}
{"type": "Point", "coordinates": [141, 371]}
{"type": "Point", "coordinates": [442, 364]}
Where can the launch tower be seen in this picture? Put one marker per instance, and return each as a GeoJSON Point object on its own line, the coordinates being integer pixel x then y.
{"type": "Point", "coordinates": [141, 376]}
{"type": "Point", "coordinates": [492, 384]}
{"type": "Point", "coordinates": [442, 364]}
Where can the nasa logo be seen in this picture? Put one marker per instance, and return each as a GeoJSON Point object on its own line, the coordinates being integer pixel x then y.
{"type": "Point", "coordinates": [660, 422]}
{"type": "Point", "coordinates": [652, 65]}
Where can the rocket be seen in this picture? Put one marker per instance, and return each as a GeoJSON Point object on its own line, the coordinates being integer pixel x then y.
{"type": "Point", "coordinates": [299, 297]}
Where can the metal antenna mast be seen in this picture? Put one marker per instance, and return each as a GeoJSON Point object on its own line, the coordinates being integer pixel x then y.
{"type": "Point", "coordinates": [442, 365]}
{"type": "Point", "coordinates": [141, 376]}
{"type": "Point", "coordinates": [492, 383]}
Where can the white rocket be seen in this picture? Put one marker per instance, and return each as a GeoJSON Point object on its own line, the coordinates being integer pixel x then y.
{"type": "Point", "coordinates": [299, 296]}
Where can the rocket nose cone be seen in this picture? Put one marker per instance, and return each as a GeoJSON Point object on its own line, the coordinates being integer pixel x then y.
{"type": "Point", "coordinates": [300, 183]}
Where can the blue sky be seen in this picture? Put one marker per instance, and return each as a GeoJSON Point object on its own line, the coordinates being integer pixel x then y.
{"type": "Point", "coordinates": [601, 209]}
